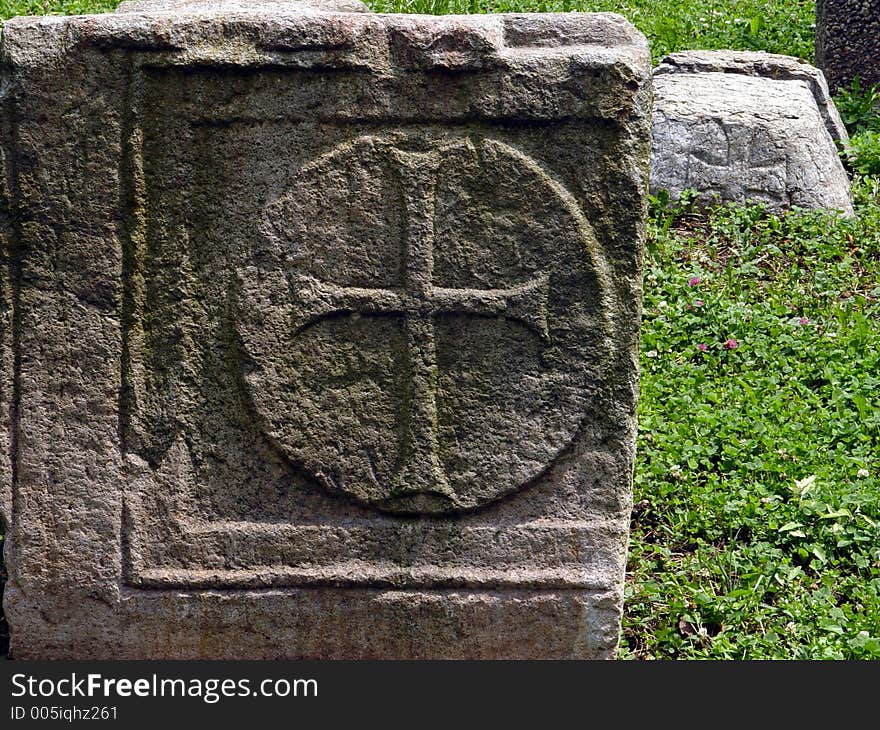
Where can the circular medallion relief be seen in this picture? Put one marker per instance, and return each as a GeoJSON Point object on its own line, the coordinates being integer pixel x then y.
{"type": "Point", "coordinates": [424, 330]}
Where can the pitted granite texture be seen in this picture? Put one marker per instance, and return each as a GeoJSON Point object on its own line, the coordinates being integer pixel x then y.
{"type": "Point", "coordinates": [741, 126]}
{"type": "Point", "coordinates": [848, 41]}
{"type": "Point", "coordinates": [319, 331]}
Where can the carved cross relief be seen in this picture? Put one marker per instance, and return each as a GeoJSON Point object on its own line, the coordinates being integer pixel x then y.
{"type": "Point", "coordinates": [350, 437]}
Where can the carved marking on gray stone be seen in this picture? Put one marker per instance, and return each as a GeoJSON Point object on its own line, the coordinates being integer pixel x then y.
{"type": "Point", "coordinates": [727, 127]}
{"type": "Point", "coordinates": [413, 476]}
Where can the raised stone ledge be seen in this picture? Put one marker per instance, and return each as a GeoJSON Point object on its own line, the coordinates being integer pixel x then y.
{"type": "Point", "coordinates": [241, 6]}
{"type": "Point", "coordinates": [765, 65]}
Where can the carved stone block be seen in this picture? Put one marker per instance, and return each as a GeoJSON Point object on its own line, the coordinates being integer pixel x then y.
{"type": "Point", "coordinates": [320, 332]}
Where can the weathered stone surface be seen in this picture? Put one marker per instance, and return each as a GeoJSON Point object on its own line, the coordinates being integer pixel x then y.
{"type": "Point", "coordinates": [744, 126]}
{"type": "Point", "coordinates": [848, 41]}
{"type": "Point", "coordinates": [214, 7]}
{"type": "Point", "coordinates": [320, 332]}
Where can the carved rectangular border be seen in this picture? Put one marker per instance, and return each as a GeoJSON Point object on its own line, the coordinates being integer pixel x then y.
{"type": "Point", "coordinates": [592, 544]}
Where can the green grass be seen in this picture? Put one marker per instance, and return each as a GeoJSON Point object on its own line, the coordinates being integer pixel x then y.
{"type": "Point", "coordinates": [10, 8]}
{"type": "Point", "coordinates": [755, 532]}
{"type": "Point", "coordinates": [757, 489]}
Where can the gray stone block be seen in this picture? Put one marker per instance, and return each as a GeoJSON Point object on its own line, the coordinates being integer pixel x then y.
{"type": "Point", "coordinates": [848, 41]}
{"type": "Point", "coordinates": [741, 126]}
{"type": "Point", "coordinates": [319, 332]}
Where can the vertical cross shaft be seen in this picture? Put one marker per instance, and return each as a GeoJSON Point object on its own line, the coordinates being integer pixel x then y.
{"type": "Point", "coordinates": [422, 471]}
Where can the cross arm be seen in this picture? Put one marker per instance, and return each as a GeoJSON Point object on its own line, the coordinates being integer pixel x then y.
{"type": "Point", "coordinates": [526, 302]}
{"type": "Point", "coordinates": [317, 299]}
